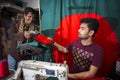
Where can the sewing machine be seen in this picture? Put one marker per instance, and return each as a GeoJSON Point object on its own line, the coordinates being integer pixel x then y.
{"type": "Point", "coordinates": [39, 70]}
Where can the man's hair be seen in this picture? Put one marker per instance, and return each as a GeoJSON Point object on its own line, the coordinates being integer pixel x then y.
{"type": "Point", "coordinates": [93, 24]}
{"type": "Point", "coordinates": [29, 9]}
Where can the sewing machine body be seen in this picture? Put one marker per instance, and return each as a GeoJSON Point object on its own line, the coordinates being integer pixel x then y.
{"type": "Point", "coordinates": [39, 70]}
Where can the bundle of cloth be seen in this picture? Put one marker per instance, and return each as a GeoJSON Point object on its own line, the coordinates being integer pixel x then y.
{"type": "Point", "coordinates": [39, 49]}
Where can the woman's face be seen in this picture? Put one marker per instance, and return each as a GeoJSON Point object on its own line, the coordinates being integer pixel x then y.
{"type": "Point", "coordinates": [29, 17]}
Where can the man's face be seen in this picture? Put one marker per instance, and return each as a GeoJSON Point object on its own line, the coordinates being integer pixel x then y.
{"type": "Point", "coordinates": [29, 18]}
{"type": "Point", "coordinates": [83, 32]}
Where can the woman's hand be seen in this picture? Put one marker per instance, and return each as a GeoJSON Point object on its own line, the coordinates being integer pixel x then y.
{"type": "Point", "coordinates": [27, 34]}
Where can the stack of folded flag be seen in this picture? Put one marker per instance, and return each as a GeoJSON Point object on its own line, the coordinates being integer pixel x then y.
{"type": "Point", "coordinates": [43, 39]}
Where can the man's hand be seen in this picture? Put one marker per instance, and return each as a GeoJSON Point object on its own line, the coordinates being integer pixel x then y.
{"type": "Point", "coordinates": [84, 75]}
{"type": "Point", "coordinates": [27, 34]}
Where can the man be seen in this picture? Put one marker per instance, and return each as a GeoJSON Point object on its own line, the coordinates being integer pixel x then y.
{"type": "Point", "coordinates": [19, 32]}
{"type": "Point", "coordinates": [87, 55]}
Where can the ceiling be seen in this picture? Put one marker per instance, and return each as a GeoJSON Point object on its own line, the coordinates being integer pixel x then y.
{"type": "Point", "coordinates": [13, 5]}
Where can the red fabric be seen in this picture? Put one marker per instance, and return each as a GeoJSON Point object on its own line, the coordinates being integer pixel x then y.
{"type": "Point", "coordinates": [118, 59]}
{"type": "Point", "coordinates": [68, 31]}
{"type": "Point", "coordinates": [96, 78]}
{"type": "Point", "coordinates": [42, 39]}
{"type": "Point", "coordinates": [4, 70]}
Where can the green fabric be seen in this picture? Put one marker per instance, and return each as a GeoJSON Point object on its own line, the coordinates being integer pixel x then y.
{"type": "Point", "coordinates": [54, 11]}
{"type": "Point", "coordinates": [35, 51]}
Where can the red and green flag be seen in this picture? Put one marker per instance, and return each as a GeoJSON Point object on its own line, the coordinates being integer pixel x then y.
{"type": "Point", "coordinates": [61, 19]}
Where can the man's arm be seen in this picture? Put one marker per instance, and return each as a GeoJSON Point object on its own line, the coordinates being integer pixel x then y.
{"type": "Point", "coordinates": [84, 75]}
{"type": "Point", "coordinates": [60, 47]}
